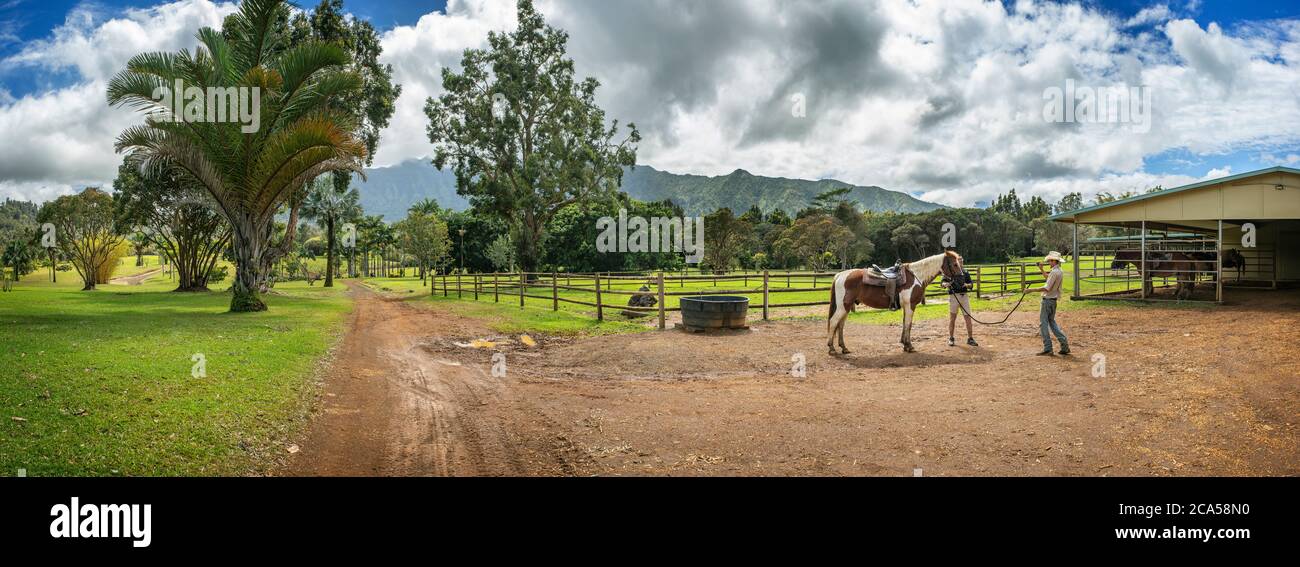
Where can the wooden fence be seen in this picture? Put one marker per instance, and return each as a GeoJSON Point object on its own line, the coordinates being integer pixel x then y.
{"type": "Point", "coordinates": [609, 288]}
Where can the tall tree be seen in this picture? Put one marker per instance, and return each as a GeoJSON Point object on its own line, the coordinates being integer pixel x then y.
{"type": "Point", "coordinates": [815, 240]}
{"type": "Point", "coordinates": [424, 236]}
{"type": "Point", "coordinates": [250, 175]}
{"type": "Point", "coordinates": [85, 228]}
{"type": "Point", "coordinates": [726, 237]}
{"type": "Point", "coordinates": [176, 218]}
{"type": "Point", "coordinates": [522, 135]}
{"type": "Point", "coordinates": [329, 206]}
{"type": "Point", "coordinates": [1070, 202]}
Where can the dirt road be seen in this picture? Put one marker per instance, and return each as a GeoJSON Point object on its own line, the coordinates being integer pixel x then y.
{"type": "Point", "coordinates": [393, 407]}
{"type": "Point", "coordinates": [1185, 392]}
{"type": "Point", "coordinates": [136, 279]}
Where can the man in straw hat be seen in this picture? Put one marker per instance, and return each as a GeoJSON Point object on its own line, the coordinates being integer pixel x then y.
{"type": "Point", "coordinates": [1051, 291]}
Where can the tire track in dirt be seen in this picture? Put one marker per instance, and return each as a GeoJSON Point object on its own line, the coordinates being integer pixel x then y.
{"type": "Point", "coordinates": [393, 406]}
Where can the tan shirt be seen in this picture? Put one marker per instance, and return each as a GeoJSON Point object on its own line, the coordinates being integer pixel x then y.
{"type": "Point", "coordinates": [1053, 285]}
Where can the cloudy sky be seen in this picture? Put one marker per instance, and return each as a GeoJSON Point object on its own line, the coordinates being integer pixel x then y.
{"type": "Point", "coordinates": [944, 100]}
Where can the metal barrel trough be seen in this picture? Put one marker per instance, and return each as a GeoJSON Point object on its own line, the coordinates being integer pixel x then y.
{"type": "Point", "coordinates": [714, 312]}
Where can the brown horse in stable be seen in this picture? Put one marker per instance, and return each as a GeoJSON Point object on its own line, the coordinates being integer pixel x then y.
{"type": "Point", "coordinates": [1182, 266]}
{"type": "Point", "coordinates": [871, 288]}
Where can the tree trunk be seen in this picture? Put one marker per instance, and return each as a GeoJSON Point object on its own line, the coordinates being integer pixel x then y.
{"type": "Point", "coordinates": [329, 252]}
{"type": "Point", "coordinates": [248, 245]}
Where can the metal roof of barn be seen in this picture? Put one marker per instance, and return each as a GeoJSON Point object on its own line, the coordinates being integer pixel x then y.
{"type": "Point", "coordinates": [1070, 215]}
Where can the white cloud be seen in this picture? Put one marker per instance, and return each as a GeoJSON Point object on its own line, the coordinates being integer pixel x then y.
{"type": "Point", "coordinates": [941, 98]}
{"type": "Point", "coordinates": [1156, 14]}
{"type": "Point", "coordinates": [62, 139]}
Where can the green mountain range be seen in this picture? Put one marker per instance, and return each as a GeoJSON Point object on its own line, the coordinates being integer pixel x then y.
{"type": "Point", "coordinates": [390, 191]}
{"type": "Point", "coordinates": [740, 190]}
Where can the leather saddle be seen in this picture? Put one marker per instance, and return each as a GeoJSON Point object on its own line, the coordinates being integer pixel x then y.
{"type": "Point", "coordinates": [887, 278]}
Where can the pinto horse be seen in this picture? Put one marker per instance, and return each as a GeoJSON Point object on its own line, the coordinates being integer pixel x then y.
{"type": "Point", "coordinates": [854, 287]}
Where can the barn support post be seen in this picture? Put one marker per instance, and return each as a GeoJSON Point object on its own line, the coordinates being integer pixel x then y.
{"type": "Point", "coordinates": [600, 310]}
{"type": "Point", "coordinates": [1218, 265]}
{"type": "Point", "coordinates": [1142, 258]}
{"type": "Point", "coordinates": [1274, 275]}
{"type": "Point", "coordinates": [765, 299]}
{"type": "Point", "coordinates": [1074, 253]}
{"type": "Point", "coordinates": [661, 301]}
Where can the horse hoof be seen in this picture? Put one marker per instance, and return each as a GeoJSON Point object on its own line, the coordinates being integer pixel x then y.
{"type": "Point", "coordinates": [832, 352]}
{"type": "Point", "coordinates": [844, 351]}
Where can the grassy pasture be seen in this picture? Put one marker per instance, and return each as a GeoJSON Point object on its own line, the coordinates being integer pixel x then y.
{"type": "Point", "coordinates": [102, 382]}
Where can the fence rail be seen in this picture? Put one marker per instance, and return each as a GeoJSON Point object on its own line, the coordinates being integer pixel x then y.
{"type": "Point", "coordinates": [989, 280]}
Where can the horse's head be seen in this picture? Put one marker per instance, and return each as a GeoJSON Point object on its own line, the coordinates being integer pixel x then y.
{"type": "Point", "coordinates": [1123, 258]}
{"type": "Point", "coordinates": [953, 265]}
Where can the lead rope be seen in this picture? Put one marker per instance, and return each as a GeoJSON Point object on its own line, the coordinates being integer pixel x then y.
{"type": "Point", "coordinates": [1004, 319]}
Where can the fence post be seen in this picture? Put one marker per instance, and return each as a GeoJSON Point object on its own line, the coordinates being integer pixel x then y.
{"type": "Point", "coordinates": [555, 291]}
{"type": "Point", "coordinates": [977, 283]}
{"type": "Point", "coordinates": [600, 312]}
{"type": "Point", "coordinates": [661, 301]}
{"type": "Point", "coordinates": [522, 275]}
{"type": "Point", "coordinates": [1022, 277]}
{"type": "Point", "coordinates": [476, 280]}
{"type": "Point", "coordinates": [458, 290]}
{"type": "Point", "coordinates": [445, 293]}
{"type": "Point", "coordinates": [765, 300]}
{"type": "Point", "coordinates": [496, 287]}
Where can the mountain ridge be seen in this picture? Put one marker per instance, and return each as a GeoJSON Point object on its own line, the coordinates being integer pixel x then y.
{"type": "Point", "coordinates": [391, 190]}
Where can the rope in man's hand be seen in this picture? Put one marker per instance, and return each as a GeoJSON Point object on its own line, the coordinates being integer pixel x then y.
{"type": "Point", "coordinates": [1004, 319]}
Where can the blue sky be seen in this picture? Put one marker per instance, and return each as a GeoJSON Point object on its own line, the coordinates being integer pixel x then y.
{"type": "Point", "coordinates": [708, 80]}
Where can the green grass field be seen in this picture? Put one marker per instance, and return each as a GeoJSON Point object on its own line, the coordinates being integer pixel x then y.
{"type": "Point", "coordinates": [102, 382]}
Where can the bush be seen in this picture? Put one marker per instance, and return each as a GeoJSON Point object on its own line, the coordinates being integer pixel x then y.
{"type": "Point", "coordinates": [218, 274]}
{"type": "Point", "coordinates": [104, 272]}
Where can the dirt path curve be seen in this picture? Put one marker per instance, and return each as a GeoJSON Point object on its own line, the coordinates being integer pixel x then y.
{"type": "Point", "coordinates": [396, 403]}
{"type": "Point", "coordinates": [136, 279]}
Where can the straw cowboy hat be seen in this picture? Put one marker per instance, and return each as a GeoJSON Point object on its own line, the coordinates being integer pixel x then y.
{"type": "Point", "coordinates": [1053, 255]}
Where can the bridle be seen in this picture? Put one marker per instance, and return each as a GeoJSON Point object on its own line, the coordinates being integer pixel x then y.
{"type": "Point", "coordinates": [949, 264]}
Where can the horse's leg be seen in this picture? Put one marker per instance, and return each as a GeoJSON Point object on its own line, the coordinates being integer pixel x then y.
{"type": "Point", "coordinates": [840, 330]}
{"type": "Point", "coordinates": [908, 307]}
{"type": "Point", "coordinates": [836, 323]}
{"type": "Point", "coordinates": [837, 329]}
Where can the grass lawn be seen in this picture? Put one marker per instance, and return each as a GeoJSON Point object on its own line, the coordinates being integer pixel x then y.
{"type": "Point", "coordinates": [102, 382]}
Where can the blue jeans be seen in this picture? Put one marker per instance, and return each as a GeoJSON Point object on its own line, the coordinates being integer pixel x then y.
{"type": "Point", "coordinates": [1047, 321]}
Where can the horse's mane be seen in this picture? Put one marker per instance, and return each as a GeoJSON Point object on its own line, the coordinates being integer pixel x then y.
{"type": "Point", "coordinates": [926, 269]}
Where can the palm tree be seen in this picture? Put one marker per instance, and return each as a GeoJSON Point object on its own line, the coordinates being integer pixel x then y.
{"type": "Point", "coordinates": [301, 131]}
{"type": "Point", "coordinates": [327, 205]}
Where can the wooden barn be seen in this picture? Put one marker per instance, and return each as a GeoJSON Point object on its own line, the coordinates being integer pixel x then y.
{"type": "Point", "coordinates": [1240, 230]}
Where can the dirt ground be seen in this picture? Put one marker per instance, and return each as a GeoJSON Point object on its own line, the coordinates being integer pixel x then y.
{"type": "Point", "coordinates": [1203, 391]}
